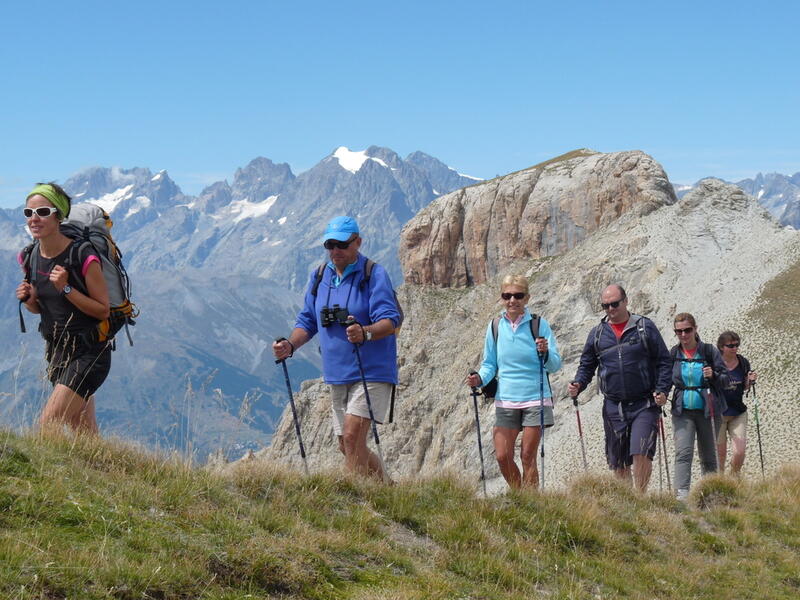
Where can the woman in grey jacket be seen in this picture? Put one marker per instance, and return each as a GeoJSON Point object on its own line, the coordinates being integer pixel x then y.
{"type": "Point", "coordinates": [699, 376]}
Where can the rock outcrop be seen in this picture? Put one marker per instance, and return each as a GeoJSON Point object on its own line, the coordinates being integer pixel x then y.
{"type": "Point", "coordinates": [469, 235]}
{"type": "Point", "coordinates": [711, 254]}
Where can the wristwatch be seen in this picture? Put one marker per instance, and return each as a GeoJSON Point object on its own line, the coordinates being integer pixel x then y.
{"type": "Point", "coordinates": [67, 289]}
{"type": "Point", "coordinates": [367, 335]}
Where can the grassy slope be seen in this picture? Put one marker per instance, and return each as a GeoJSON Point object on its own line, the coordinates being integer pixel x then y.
{"type": "Point", "coordinates": [95, 519]}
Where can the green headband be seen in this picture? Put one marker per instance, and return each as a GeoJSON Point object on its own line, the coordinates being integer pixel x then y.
{"type": "Point", "coordinates": [60, 201]}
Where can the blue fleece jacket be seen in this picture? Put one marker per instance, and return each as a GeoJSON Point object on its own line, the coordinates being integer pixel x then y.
{"type": "Point", "coordinates": [368, 304]}
{"type": "Point", "coordinates": [516, 360]}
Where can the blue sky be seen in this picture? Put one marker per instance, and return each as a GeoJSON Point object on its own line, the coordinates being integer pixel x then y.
{"type": "Point", "coordinates": [201, 88]}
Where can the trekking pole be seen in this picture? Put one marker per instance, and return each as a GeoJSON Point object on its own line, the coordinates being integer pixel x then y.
{"type": "Point", "coordinates": [660, 453]}
{"type": "Point", "coordinates": [294, 409]}
{"type": "Point", "coordinates": [475, 393]}
{"type": "Point", "coordinates": [664, 446]}
{"type": "Point", "coordinates": [580, 430]}
{"type": "Point", "coordinates": [369, 403]}
{"type": "Point", "coordinates": [541, 411]}
{"type": "Point", "coordinates": [758, 426]}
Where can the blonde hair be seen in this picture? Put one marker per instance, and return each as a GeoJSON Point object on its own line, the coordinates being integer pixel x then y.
{"type": "Point", "coordinates": [517, 280]}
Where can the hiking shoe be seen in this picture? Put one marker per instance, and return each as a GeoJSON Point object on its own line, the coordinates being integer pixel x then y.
{"type": "Point", "coordinates": [682, 495]}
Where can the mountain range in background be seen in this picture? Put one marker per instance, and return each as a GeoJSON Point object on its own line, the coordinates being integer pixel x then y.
{"type": "Point", "coordinates": [779, 194]}
{"type": "Point", "coordinates": [217, 277]}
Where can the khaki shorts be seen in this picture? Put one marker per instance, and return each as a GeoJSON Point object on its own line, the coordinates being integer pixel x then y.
{"type": "Point", "coordinates": [736, 427]}
{"type": "Point", "coordinates": [517, 418]}
{"type": "Point", "coordinates": [349, 399]}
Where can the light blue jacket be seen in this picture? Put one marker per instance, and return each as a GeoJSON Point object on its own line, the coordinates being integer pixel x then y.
{"type": "Point", "coordinates": [516, 359]}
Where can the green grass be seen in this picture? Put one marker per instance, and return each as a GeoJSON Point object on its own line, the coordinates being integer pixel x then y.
{"type": "Point", "coordinates": [89, 519]}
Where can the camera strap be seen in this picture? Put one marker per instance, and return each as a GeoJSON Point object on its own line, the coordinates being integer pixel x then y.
{"type": "Point", "coordinates": [330, 287]}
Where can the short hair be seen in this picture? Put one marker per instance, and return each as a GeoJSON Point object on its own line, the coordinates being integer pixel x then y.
{"type": "Point", "coordinates": [726, 337]}
{"type": "Point", "coordinates": [517, 280]}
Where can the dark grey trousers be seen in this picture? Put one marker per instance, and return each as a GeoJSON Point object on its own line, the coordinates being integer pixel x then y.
{"type": "Point", "coordinates": [688, 426]}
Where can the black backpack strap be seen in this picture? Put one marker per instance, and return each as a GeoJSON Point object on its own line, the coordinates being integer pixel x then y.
{"type": "Point", "coordinates": [495, 325]}
{"type": "Point", "coordinates": [27, 259]}
{"type": "Point", "coordinates": [641, 328]}
{"type": "Point", "coordinates": [368, 266]}
{"type": "Point", "coordinates": [391, 404]}
{"type": "Point", "coordinates": [317, 280]}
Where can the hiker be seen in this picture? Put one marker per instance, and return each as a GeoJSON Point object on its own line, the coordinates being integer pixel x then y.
{"type": "Point", "coordinates": [699, 376]}
{"type": "Point", "coordinates": [343, 293]}
{"type": "Point", "coordinates": [734, 419]}
{"type": "Point", "coordinates": [634, 369]}
{"type": "Point", "coordinates": [523, 399]}
{"type": "Point", "coordinates": [77, 364]}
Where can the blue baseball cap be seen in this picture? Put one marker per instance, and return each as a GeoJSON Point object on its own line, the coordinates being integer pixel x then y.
{"type": "Point", "coordinates": [340, 229]}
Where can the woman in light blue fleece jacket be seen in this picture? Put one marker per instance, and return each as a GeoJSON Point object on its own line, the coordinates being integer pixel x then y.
{"type": "Point", "coordinates": [523, 390]}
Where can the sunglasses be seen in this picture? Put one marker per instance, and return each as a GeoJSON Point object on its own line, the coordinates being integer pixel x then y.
{"type": "Point", "coordinates": [331, 244]}
{"type": "Point", "coordinates": [509, 295]}
{"type": "Point", "coordinates": [615, 304]}
{"type": "Point", "coordinates": [42, 211]}
{"type": "Point", "coordinates": [686, 331]}
{"type": "Point", "coordinates": [733, 345]}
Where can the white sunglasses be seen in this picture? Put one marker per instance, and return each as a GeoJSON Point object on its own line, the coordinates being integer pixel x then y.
{"type": "Point", "coordinates": [42, 211]}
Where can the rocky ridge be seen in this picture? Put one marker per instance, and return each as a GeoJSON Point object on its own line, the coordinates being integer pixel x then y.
{"type": "Point", "coordinates": [468, 236]}
{"type": "Point", "coordinates": [713, 254]}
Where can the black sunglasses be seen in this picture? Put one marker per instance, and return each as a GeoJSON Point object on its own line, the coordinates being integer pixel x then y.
{"type": "Point", "coordinates": [331, 244]}
{"type": "Point", "coordinates": [614, 304]}
{"type": "Point", "coordinates": [42, 211]}
{"type": "Point", "coordinates": [686, 331]}
{"type": "Point", "coordinates": [509, 295]}
{"type": "Point", "coordinates": [733, 345]}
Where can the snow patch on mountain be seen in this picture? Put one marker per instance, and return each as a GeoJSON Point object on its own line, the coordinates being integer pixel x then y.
{"type": "Point", "coordinates": [108, 202]}
{"type": "Point", "coordinates": [244, 209]}
{"type": "Point", "coordinates": [141, 202]}
{"type": "Point", "coordinates": [353, 161]}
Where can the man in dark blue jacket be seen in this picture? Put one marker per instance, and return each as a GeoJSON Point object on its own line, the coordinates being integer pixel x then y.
{"type": "Point", "coordinates": [634, 369]}
{"type": "Point", "coordinates": [341, 293]}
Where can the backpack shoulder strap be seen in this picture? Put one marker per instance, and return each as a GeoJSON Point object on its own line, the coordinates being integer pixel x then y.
{"type": "Point", "coordinates": [317, 279]}
{"type": "Point", "coordinates": [368, 267]}
{"type": "Point", "coordinates": [534, 322]}
{"type": "Point", "coordinates": [641, 327]}
{"type": "Point", "coordinates": [598, 331]}
{"type": "Point", "coordinates": [495, 325]}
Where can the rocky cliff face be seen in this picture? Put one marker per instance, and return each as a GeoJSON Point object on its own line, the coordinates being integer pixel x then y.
{"type": "Point", "coordinates": [469, 235]}
{"type": "Point", "coordinates": [712, 254]}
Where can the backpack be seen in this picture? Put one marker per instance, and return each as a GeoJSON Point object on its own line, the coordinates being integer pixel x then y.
{"type": "Point", "coordinates": [89, 225]}
{"type": "Point", "coordinates": [490, 389]}
{"type": "Point", "coordinates": [368, 267]}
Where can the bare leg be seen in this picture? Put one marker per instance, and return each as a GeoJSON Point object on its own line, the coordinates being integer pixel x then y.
{"type": "Point", "coordinates": [623, 473]}
{"type": "Point", "coordinates": [737, 454]}
{"type": "Point", "coordinates": [642, 468]}
{"type": "Point", "coordinates": [66, 407]}
{"type": "Point", "coordinates": [531, 436]}
{"type": "Point", "coordinates": [504, 441]}
{"type": "Point", "coordinates": [359, 458]}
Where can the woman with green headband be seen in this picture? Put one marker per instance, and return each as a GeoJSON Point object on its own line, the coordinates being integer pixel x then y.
{"type": "Point", "coordinates": [77, 364]}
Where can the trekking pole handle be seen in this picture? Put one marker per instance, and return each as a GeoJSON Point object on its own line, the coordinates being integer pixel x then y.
{"type": "Point", "coordinates": [283, 339]}
{"type": "Point", "coordinates": [574, 398]}
{"type": "Point", "coordinates": [475, 391]}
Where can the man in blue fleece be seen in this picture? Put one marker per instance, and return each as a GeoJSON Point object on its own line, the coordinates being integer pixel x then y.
{"type": "Point", "coordinates": [343, 292]}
